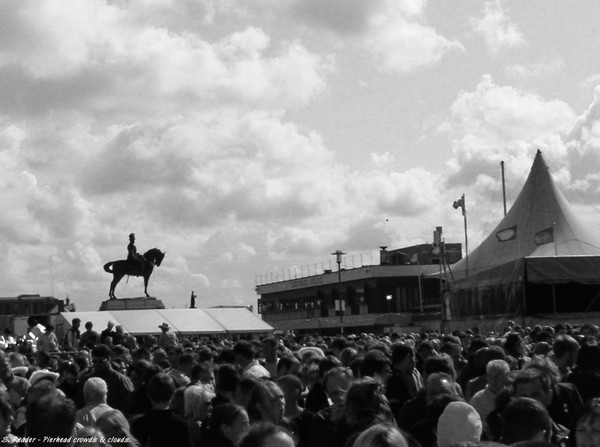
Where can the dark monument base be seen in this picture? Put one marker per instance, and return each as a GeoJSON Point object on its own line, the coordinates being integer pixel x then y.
{"type": "Point", "coordinates": [136, 303]}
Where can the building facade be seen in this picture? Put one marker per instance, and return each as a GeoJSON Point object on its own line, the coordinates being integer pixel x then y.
{"type": "Point", "coordinates": [395, 293]}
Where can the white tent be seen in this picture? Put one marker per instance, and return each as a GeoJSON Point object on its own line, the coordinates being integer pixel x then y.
{"type": "Point", "coordinates": [183, 321]}
{"type": "Point", "coordinates": [538, 251]}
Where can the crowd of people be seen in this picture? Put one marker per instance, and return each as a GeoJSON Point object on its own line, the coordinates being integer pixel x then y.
{"type": "Point", "coordinates": [518, 387]}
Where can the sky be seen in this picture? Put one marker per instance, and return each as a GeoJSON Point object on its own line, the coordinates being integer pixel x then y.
{"type": "Point", "coordinates": [246, 137]}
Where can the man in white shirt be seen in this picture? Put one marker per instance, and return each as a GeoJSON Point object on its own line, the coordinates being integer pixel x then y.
{"type": "Point", "coordinates": [94, 395]}
{"type": "Point", "coordinates": [497, 379]}
{"type": "Point", "coordinates": [249, 366]}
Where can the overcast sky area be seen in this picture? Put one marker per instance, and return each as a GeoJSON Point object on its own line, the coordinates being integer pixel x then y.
{"type": "Point", "coordinates": [245, 137]}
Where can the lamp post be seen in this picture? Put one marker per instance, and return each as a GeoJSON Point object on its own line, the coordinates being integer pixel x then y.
{"type": "Point", "coordinates": [338, 258]}
{"type": "Point", "coordinates": [389, 301]}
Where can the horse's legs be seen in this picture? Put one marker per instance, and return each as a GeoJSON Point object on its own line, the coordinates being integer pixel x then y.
{"type": "Point", "coordinates": [146, 278]}
{"type": "Point", "coordinates": [116, 278]}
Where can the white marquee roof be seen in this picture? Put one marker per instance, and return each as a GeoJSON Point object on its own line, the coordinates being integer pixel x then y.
{"type": "Point", "coordinates": [183, 321]}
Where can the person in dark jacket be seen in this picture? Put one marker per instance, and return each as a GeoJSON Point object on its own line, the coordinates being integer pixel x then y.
{"type": "Point", "coordinates": [160, 427]}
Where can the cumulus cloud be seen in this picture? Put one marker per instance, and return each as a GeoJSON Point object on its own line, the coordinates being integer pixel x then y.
{"type": "Point", "coordinates": [403, 43]}
{"type": "Point", "coordinates": [495, 27]}
{"type": "Point", "coordinates": [395, 32]}
{"type": "Point", "coordinates": [536, 70]}
{"type": "Point", "coordinates": [494, 122]}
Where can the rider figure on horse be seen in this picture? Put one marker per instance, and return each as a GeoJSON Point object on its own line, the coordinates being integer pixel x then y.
{"type": "Point", "coordinates": [132, 255]}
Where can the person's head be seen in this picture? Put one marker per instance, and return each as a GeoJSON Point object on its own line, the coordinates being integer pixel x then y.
{"type": "Point", "coordinates": [291, 387]}
{"type": "Point", "coordinates": [5, 366]}
{"type": "Point", "coordinates": [114, 424]}
{"type": "Point", "coordinates": [31, 322]}
{"type": "Point", "coordinates": [267, 435]}
{"type": "Point", "coordinates": [132, 237]}
{"type": "Point", "coordinates": [587, 426]}
{"type": "Point", "coordinates": [459, 422]}
{"type": "Point", "coordinates": [375, 364]}
{"type": "Point", "coordinates": [513, 344]}
{"type": "Point", "coordinates": [525, 419]}
{"type": "Point", "coordinates": [536, 383]}
{"type": "Point", "coordinates": [366, 404]}
{"type": "Point", "coordinates": [403, 358]}
{"type": "Point", "coordinates": [229, 421]}
{"type": "Point", "coordinates": [565, 349]}
{"type": "Point", "coordinates": [326, 363]}
{"type": "Point", "coordinates": [227, 378]}
{"type": "Point", "coordinates": [76, 322]}
{"type": "Point", "coordinates": [266, 403]}
{"type": "Point", "coordinates": [197, 402]}
{"type": "Point", "coordinates": [336, 383]}
{"type": "Point", "coordinates": [496, 372]}
{"type": "Point", "coordinates": [269, 347]}
{"type": "Point", "coordinates": [441, 363]}
{"type": "Point", "coordinates": [52, 415]}
{"type": "Point", "coordinates": [200, 372]}
{"type": "Point", "coordinates": [244, 352]}
{"type": "Point", "coordinates": [589, 330]}
{"type": "Point", "coordinates": [439, 383]}
{"type": "Point", "coordinates": [95, 391]}
{"type": "Point", "coordinates": [160, 389]}
{"type": "Point", "coordinates": [110, 325]}
{"type": "Point", "coordinates": [381, 435]}
{"type": "Point", "coordinates": [287, 364]}
{"type": "Point", "coordinates": [453, 349]}
{"type": "Point", "coordinates": [101, 358]}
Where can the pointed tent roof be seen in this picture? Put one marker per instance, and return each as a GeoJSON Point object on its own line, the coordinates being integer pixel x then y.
{"type": "Point", "coordinates": [539, 224]}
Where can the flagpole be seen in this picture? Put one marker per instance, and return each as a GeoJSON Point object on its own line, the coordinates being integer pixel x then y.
{"type": "Point", "coordinates": [460, 203]}
{"type": "Point", "coordinates": [466, 237]}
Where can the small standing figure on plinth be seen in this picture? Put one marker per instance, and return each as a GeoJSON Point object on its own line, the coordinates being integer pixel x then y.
{"type": "Point", "coordinates": [193, 300]}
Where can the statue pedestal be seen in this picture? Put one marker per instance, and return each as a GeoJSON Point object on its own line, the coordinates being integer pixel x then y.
{"type": "Point", "coordinates": [136, 303]}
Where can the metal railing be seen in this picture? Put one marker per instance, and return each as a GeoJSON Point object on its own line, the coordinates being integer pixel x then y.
{"type": "Point", "coordinates": [349, 261]}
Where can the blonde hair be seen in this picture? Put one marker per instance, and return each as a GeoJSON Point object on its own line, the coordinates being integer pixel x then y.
{"type": "Point", "coordinates": [381, 435]}
{"type": "Point", "coordinates": [193, 398]}
{"type": "Point", "coordinates": [114, 424]}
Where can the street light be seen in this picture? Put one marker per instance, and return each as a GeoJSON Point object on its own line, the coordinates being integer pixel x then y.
{"type": "Point", "coordinates": [389, 300]}
{"type": "Point", "coordinates": [338, 258]}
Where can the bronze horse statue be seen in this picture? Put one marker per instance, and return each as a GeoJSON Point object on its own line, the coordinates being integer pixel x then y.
{"type": "Point", "coordinates": [119, 269]}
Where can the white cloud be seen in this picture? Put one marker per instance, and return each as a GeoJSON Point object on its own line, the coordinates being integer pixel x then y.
{"type": "Point", "coordinates": [381, 161]}
{"type": "Point", "coordinates": [402, 42]}
{"type": "Point", "coordinates": [496, 28]}
{"type": "Point", "coordinates": [536, 70]}
{"type": "Point", "coordinates": [496, 122]}
{"type": "Point", "coordinates": [394, 31]}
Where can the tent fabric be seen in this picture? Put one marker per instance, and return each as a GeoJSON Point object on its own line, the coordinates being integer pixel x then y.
{"type": "Point", "coordinates": [184, 321]}
{"type": "Point", "coordinates": [539, 240]}
{"type": "Point", "coordinates": [237, 320]}
{"type": "Point", "coordinates": [553, 270]}
{"type": "Point", "coordinates": [539, 209]}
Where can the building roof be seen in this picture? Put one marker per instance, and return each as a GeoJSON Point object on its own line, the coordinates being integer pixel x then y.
{"type": "Point", "coordinates": [184, 321]}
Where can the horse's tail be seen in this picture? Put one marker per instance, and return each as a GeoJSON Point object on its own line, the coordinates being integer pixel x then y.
{"type": "Point", "coordinates": [107, 267]}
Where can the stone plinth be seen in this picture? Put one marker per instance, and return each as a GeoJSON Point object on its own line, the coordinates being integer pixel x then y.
{"type": "Point", "coordinates": [136, 303]}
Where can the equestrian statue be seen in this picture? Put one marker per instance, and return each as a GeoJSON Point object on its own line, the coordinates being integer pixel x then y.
{"type": "Point", "coordinates": [134, 265]}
